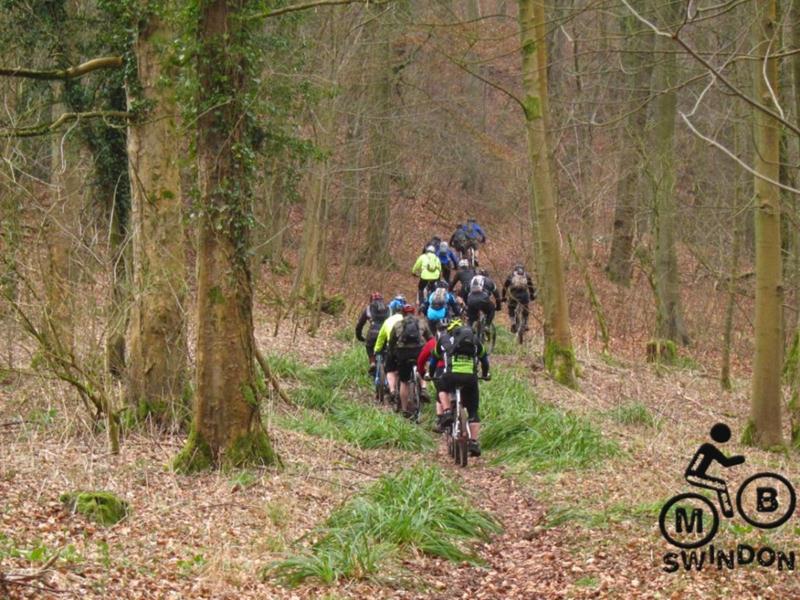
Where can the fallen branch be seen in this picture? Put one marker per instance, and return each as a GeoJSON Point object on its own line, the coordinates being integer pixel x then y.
{"type": "Point", "coordinates": [272, 379]}
{"type": "Point", "coordinates": [105, 62]}
{"type": "Point", "coordinates": [306, 6]}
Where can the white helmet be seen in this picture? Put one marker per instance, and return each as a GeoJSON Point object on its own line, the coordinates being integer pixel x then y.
{"type": "Point", "coordinates": [430, 249]}
{"type": "Point", "coordinates": [463, 263]}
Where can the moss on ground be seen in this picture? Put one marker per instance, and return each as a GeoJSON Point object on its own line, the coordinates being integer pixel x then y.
{"type": "Point", "coordinates": [101, 507]}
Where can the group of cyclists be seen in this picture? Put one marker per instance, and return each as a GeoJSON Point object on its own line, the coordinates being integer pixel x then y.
{"type": "Point", "coordinates": [437, 335]}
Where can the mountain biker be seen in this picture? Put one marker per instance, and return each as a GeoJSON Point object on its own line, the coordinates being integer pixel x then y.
{"type": "Point", "coordinates": [467, 236]}
{"type": "Point", "coordinates": [382, 342]}
{"type": "Point", "coordinates": [376, 312]}
{"type": "Point", "coordinates": [440, 304]}
{"type": "Point", "coordinates": [435, 241]}
{"type": "Point", "coordinates": [448, 259]}
{"type": "Point", "coordinates": [519, 289]}
{"type": "Point", "coordinates": [397, 303]}
{"type": "Point", "coordinates": [432, 367]}
{"type": "Point", "coordinates": [406, 340]}
{"type": "Point", "coordinates": [481, 292]}
{"type": "Point", "coordinates": [428, 269]}
{"type": "Point", "coordinates": [461, 353]}
{"type": "Point", "coordinates": [463, 277]}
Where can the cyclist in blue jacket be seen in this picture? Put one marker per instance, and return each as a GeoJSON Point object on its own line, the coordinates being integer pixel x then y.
{"type": "Point", "coordinates": [448, 259]}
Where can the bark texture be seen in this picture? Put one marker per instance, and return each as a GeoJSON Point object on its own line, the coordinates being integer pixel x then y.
{"type": "Point", "coordinates": [559, 355]}
{"type": "Point", "coordinates": [157, 372]}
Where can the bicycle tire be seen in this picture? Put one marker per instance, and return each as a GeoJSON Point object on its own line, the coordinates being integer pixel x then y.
{"type": "Point", "coordinates": [491, 338]}
{"type": "Point", "coordinates": [463, 440]}
{"type": "Point", "coordinates": [380, 386]}
{"type": "Point", "coordinates": [518, 323]}
{"type": "Point", "coordinates": [414, 396]}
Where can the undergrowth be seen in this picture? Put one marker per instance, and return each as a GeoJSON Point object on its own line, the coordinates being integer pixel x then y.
{"type": "Point", "coordinates": [327, 390]}
{"type": "Point", "coordinates": [417, 509]}
{"type": "Point", "coordinates": [525, 434]}
{"type": "Point", "coordinates": [633, 413]}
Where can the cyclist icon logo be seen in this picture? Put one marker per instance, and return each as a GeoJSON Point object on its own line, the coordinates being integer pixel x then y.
{"type": "Point", "coordinates": [691, 520]}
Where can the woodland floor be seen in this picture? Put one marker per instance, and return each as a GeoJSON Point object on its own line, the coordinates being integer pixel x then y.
{"type": "Point", "coordinates": [574, 534]}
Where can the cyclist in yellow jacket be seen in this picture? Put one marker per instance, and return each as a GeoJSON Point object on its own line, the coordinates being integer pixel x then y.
{"type": "Point", "coordinates": [429, 269]}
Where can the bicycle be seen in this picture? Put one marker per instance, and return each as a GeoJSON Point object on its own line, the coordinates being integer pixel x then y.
{"type": "Point", "coordinates": [459, 436]}
{"type": "Point", "coordinates": [414, 396]}
{"type": "Point", "coordinates": [520, 323]}
{"type": "Point", "coordinates": [710, 529]}
{"type": "Point", "coordinates": [381, 381]}
{"type": "Point", "coordinates": [487, 335]}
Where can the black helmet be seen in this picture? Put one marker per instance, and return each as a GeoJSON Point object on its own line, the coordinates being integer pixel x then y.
{"type": "Point", "coordinates": [518, 268]}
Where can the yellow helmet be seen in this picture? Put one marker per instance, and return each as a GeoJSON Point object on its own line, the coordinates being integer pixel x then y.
{"type": "Point", "coordinates": [454, 324]}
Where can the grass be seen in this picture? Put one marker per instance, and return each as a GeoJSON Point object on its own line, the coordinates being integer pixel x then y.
{"type": "Point", "coordinates": [633, 413]}
{"type": "Point", "coordinates": [328, 390]}
{"type": "Point", "coordinates": [288, 366]}
{"type": "Point", "coordinates": [416, 509]}
{"type": "Point", "coordinates": [527, 435]}
{"type": "Point", "coordinates": [601, 519]}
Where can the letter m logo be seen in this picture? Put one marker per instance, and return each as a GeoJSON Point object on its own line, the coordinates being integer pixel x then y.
{"type": "Point", "coordinates": [688, 524]}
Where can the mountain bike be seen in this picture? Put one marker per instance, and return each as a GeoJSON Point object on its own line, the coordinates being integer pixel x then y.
{"type": "Point", "coordinates": [414, 396]}
{"type": "Point", "coordinates": [520, 323]}
{"type": "Point", "coordinates": [486, 334]}
{"type": "Point", "coordinates": [679, 506]}
{"type": "Point", "coordinates": [381, 382]}
{"type": "Point", "coordinates": [471, 257]}
{"type": "Point", "coordinates": [459, 436]}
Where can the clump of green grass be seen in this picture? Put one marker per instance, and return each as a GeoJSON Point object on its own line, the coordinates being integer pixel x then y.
{"type": "Point", "coordinates": [329, 389]}
{"type": "Point", "coordinates": [417, 509]}
{"type": "Point", "coordinates": [633, 413]}
{"type": "Point", "coordinates": [528, 435]}
{"type": "Point", "coordinates": [288, 366]}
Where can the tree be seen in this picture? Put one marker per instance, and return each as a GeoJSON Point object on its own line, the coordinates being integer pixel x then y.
{"type": "Point", "coordinates": [764, 428]}
{"type": "Point", "coordinates": [559, 355]}
{"type": "Point", "coordinates": [226, 423]}
{"type": "Point", "coordinates": [156, 375]}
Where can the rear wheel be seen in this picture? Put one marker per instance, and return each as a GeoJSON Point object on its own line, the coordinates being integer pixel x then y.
{"type": "Point", "coordinates": [491, 338]}
{"type": "Point", "coordinates": [462, 442]}
{"type": "Point", "coordinates": [380, 385]}
{"type": "Point", "coordinates": [414, 398]}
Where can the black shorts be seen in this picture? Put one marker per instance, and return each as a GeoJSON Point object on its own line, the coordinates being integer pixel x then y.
{"type": "Point", "coordinates": [469, 391]}
{"type": "Point", "coordinates": [404, 360]}
{"type": "Point", "coordinates": [372, 337]}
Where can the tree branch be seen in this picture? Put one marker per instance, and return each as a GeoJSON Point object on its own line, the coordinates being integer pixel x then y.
{"type": "Point", "coordinates": [308, 5]}
{"type": "Point", "coordinates": [105, 62]}
{"type": "Point", "coordinates": [45, 128]}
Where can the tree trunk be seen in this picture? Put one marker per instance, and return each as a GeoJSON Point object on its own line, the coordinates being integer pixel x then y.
{"type": "Point", "coordinates": [638, 45]}
{"type": "Point", "coordinates": [559, 355]}
{"type": "Point", "coordinates": [157, 371]}
{"type": "Point", "coordinates": [764, 428]}
{"type": "Point", "coordinates": [226, 424]}
{"type": "Point", "coordinates": [669, 323]}
{"type": "Point", "coordinates": [379, 126]}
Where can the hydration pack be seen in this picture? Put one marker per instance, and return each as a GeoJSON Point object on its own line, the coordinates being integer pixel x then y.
{"type": "Point", "coordinates": [477, 284]}
{"type": "Point", "coordinates": [377, 312]}
{"type": "Point", "coordinates": [410, 335]}
{"type": "Point", "coordinates": [518, 281]}
{"type": "Point", "coordinates": [459, 237]}
{"type": "Point", "coordinates": [464, 343]}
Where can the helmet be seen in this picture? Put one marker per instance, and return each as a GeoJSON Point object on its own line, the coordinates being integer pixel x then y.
{"type": "Point", "coordinates": [441, 283]}
{"type": "Point", "coordinates": [408, 309]}
{"type": "Point", "coordinates": [442, 324]}
{"type": "Point", "coordinates": [430, 248]}
{"type": "Point", "coordinates": [399, 298]}
{"type": "Point", "coordinates": [471, 220]}
{"type": "Point", "coordinates": [454, 324]}
{"type": "Point", "coordinates": [518, 268]}
{"type": "Point", "coordinates": [443, 246]}
{"type": "Point", "coordinates": [375, 296]}
{"type": "Point", "coordinates": [483, 272]}
{"type": "Point", "coordinates": [463, 263]}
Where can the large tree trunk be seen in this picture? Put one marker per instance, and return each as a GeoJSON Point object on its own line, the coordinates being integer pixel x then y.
{"type": "Point", "coordinates": [637, 46]}
{"type": "Point", "coordinates": [226, 423]}
{"type": "Point", "coordinates": [669, 320]}
{"type": "Point", "coordinates": [157, 376]}
{"type": "Point", "coordinates": [379, 126]}
{"type": "Point", "coordinates": [765, 416]}
{"type": "Point", "coordinates": [559, 355]}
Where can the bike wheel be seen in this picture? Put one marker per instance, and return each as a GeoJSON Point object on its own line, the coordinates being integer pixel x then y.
{"type": "Point", "coordinates": [519, 325]}
{"type": "Point", "coordinates": [380, 384]}
{"type": "Point", "coordinates": [413, 398]}
{"type": "Point", "coordinates": [491, 338]}
{"type": "Point", "coordinates": [462, 442]}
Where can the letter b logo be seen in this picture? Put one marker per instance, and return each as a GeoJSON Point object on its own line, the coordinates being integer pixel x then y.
{"type": "Point", "coordinates": [766, 499]}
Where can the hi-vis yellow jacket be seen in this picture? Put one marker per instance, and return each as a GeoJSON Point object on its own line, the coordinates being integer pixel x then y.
{"type": "Point", "coordinates": [428, 267]}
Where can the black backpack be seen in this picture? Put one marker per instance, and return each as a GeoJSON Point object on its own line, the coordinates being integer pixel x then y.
{"type": "Point", "coordinates": [377, 312]}
{"type": "Point", "coordinates": [410, 334]}
{"type": "Point", "coordinates": [464, 342]}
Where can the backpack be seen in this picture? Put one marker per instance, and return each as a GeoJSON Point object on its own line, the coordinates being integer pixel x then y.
{"type": "Point", "coordinates": [518, 281]}
{"type": "Point", "coordinates": [477, 284]}
{"type": "Point", "coordinates": [410, 335]}
{"type": "Point", "coordinates": [471, 229]}
{"type": "Point", "coordinates": [459, 237]}
{"type": "Point", "coordinates": [464, 343]}
{"type": "Point", "coordinates": [438, 299]}
{"type": "Point", "coordinates": [377, 312]}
